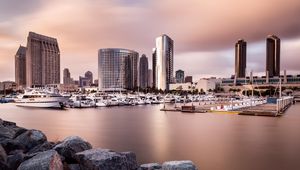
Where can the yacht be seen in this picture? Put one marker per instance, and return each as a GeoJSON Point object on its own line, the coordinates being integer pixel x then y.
{"type": "Point", "coordinates": [41, 98]}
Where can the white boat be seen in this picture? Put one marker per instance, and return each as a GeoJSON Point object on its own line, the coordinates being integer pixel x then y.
{"type": "Point", "coordinates": [81, 101]}
{"type": "Point", "coordinates": [40, 98]}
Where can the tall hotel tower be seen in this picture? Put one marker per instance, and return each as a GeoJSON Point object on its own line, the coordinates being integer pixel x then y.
{"type": "Point", "coordinates": [240, 58]}
{"type": "Point", "coordinates": [20, 67]}
{"type": "Point", "coordinates": [273, 56]}
{"type": "Point", "coordinates": [143, 71]}
{"type": "Point", "coordinates": [117, 69]}
{"type": "Point", "coordinates": [42, 60]}
{"type": "Point", "coordinates": [163, 62]}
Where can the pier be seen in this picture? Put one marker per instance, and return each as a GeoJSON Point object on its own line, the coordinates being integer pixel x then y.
{"type": "Point", "coordinates": [251, 107]}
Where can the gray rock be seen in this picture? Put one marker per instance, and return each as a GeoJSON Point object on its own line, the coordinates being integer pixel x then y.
{"type": "Point", "coordinates": [131, 160]}
{"type": "Point", "coordinates": [43, 147]}
{"type": "Point", "coordinates": [11, 145]}
{"type": "Point", "coordinates": [150, 166]}
{"type": "Point", "coordinates": [13, 161]}
{"type": "Point", "coordinates": [48, 160]}
{"type": "Point", "coordinates": [6, 132]}
{"type": "Point", "coordinates": [70, 146]}
{"type": "Point", "coordinates": [104, 159]}
{"type": "Point", "coordinates": [8, 123]}
{"type": "Point", "coordinates": [3, 158]}
{"type": "Point", "coordinates": [74, 167]}
{"type": "Point", "coordinates": [31, 138]}
{"type": "Point", "coordinates": [179, 165]}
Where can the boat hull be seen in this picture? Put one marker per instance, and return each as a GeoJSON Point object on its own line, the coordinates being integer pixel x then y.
{"type": "Point", "coordinates": [41, 105]}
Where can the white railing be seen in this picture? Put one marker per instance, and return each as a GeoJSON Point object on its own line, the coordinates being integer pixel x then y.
{"type": "Point", "coordinates": [283, 103]}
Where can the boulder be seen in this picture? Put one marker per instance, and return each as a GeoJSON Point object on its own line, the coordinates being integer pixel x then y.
{"type": "Point", "coordinates": [3, 158]}
{"type": "Point", "coordinates": [131, 160]}
{"type": "Point", "coordinates": [8, 123]}
{"type": "Point", "coordinates": [11, 145]}
{"type": "Point", "coordinates": [179, 165]}
{"type": "Point", "coordinates": [43, 147]}
{"type": "Point", "coordinates": [73, 167]}
{"type": "Point", "coordinates": [47, 160]}
{"type": "Point", "coordinates": [6, 132]}
{"type": "Point", "coordinates": [31, 138]}
{"type": "Point", "coordinates": [13, 161]}
{"type": "Point", "coordinates": [104, 159]}
{"type": "Point", "coordinates": [70, 146]}
{"type": "Point", "coordinates": [150, 166]}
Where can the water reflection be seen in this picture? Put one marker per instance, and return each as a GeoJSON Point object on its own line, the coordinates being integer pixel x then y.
{"type": "Point", "coordinates": [212, 141]}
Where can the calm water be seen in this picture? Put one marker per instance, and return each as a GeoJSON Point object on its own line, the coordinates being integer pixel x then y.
{"type": "Point", "coordinates": [212, 141]}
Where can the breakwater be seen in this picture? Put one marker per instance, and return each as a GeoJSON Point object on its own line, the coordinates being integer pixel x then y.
{"type": "Point", "coordinates": [26, 149]}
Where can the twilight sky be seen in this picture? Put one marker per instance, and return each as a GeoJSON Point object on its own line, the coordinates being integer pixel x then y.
{"type": "Point", "coordinates": [204, 31]}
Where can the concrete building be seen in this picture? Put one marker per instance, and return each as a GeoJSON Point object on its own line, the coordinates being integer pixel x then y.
{"type": "Point", "coordinates": [207, 84]}
{"type": "Point", "coordinates": [273, 56]}
{"type": "Point", "coordinates": [179, 76]}
{"type": "Point", "coordinates": [42, 60]}
{"type": "Point", "coordinates": [240, 58]}
{"type": "Point", "coordinates": [188, 79]}
{"type": "Point", "coordinates": [89, 76]}
{"type": "Point", "coordinates": [163, 70]}
{"type": "Point", "coordinates": [143, 71]}
{"type": "Point", "coordinates": [20, 67]}
{"type": "Point", "coordinates": [182, 86]}
{"type": "Point", "coordinates": [7, 86]}
{"type": "Point", "coordinates": [67, 79]}
{"type": "Point", "coordinates": [117, 69]}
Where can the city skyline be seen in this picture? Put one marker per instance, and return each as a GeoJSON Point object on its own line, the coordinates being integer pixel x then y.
{"type": "Point", "coordinates": [200, 46]}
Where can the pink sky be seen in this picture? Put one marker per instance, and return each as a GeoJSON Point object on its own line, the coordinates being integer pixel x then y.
{"type": "Point", "coordinates": [204, 32]}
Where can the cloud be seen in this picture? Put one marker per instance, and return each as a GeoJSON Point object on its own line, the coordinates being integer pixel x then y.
{"type": "Point", "coordinates": [204, 31]}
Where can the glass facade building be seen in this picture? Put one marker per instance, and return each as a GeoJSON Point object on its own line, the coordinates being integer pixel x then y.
{"type": "Point", "coordinates": [179, 76]}
{"type": "Point", "coordinates": [117, 69]}
{"type": "Point", "coordinates": [143, 71]}
{"type": "Point", "coordinates": [163, 71]}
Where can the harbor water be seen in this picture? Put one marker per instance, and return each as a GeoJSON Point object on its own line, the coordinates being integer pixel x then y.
{"type": "Point", "coordinates": [213, 141]}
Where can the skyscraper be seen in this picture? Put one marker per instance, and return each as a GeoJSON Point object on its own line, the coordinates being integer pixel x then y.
{"type": "Point", "coordinates": [67, 77]}
{"type": "Point", "coordinates": [179, 75]}
{"type": "Point", "coordinates": [164, 62]}
{"type": "Point", "coordinates": [240, 58]}
{"type": "Point", "coordinates": [153, 67]}
{"type": "Point", "coordinates": [150, 78]}
{"type": "Point", "coordinates": [89, 76]}
{"type": "Point", "coordinates": [273, 56]}
{"type": "Point", "coordinates": [20, 67]}
{"type": "Point", "coordinates": [117, 68]}
{"type": "Point", "coordinates": [42, 60]}
{"type": "Point", "coordinates": [143, 71]}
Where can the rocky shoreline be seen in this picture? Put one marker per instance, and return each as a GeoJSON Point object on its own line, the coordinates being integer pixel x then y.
{"type": "Point", "coordinates": [27, 149]}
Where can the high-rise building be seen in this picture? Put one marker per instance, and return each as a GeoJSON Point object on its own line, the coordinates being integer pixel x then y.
{"type": "Point", "coordinates": [42, 60]}
{"type": "Point", "coordinates": [164, 62]}
{"type": "Point", "coordinates": [89, 76]}
{"type": "Point", "coordinates": [143, 71]}
{"type": "Point", "coordinates": [20, 67]}
{"type": "Point", "coordinates": [179, 75]}
{"type": "Point", "coordinates": [153, 67]}
{"type": "Point", "coordinates": [150, 78]}
{"type": "Point", "coordinates": [240, 58]}
{"type": "Point", "coordinates": [188, 79]}
{"type": "Point", "coordinates": [117, 68]}
{"type": "Point", "coordinates": [67, 79]}
{"type": "Point", "coordinates": [273, 56]}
